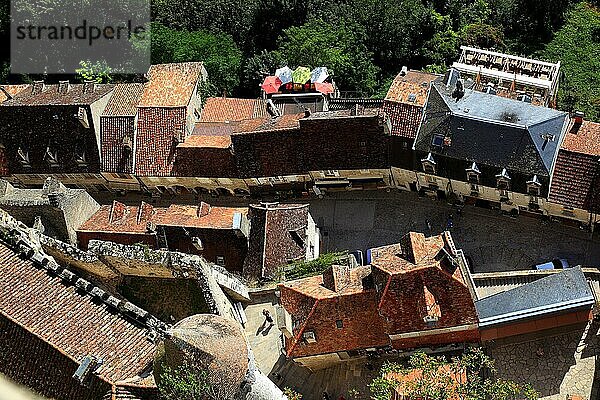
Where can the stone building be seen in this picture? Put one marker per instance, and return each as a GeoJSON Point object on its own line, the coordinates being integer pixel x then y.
{"type": "Point", "coordinates": [416, 293]}
{"type": "Point", "coordinates": [54, 130]}
{"type": "Point", "coordinates": [485, 148]}
{"type": "Point", "coordinates": [54, 209]}
{"type": "Point", "coordinates": [219, 234]}
{"type": "Point", "coordinates": [279, 234]}
{"type": "Point", "coordinates": [575, 187]}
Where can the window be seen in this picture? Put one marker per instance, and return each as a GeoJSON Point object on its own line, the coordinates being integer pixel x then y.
{"type": "Point", "coordinates": [339, 324]}
{"type": "Point", "coordinates": [331, 172]}
{"type": "Point", "coordinates": [412, 97]}
{"type": "Point", "coordinates": [23, 157]}
{"type": "Point", "coordinates": [503, 183]}
{"type": "Point", "coordinates": [220, 261]}
{"type": "Point", "coordinates": [473, 174]}
{"type": "Point", "coordinates": [428, 164]}
{"type": "Point", "coordinates": [533, 186]}
{"type": "Point", "coordinates": [438, 140]}
{"type": "Point", "coordinates": [51, 157]}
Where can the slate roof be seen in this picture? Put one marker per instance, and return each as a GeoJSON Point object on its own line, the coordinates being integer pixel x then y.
{"type": "Point", "coordinates": [229, 109]}
{"type": "Point", "coordinates": [171, 85]}
{"type": "Point", "coordinates": [491, 130]}
{"type": "Point", "coordinates": [72, 322]}
{"type": "Point", "coordinates": [124, 100]}
{"type": "Point", "coordinates": [51, 96]}
{"type": "Point", "coordinates": [566, 290]}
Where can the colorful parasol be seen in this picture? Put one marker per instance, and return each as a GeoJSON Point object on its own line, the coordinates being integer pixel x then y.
{"type": "Point", "coordinates": [301, 75]}
{"type": "Point", "coordinates": [284, 74]}
{"type": "Point", "coordinates": [325, 88]}
{"type": "Point", "coordinates": [271, 84]}
{"type": "Point", "coordinates": [319, 74]}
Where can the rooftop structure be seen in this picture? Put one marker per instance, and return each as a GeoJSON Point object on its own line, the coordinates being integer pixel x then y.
{"type": "Point", "coordinates": [279, 234]}
{"type": "Point", "coordinates": [415, 293]}
{"type": "Point", "coordinates": [467, 124]}
{"type": "Point", "coordinates": [94, 343]}
{"type": "Point", "coordinates": [576, 178]}
{"type": "Point", "coordinates": [220, 234]}
{"type": "Point", "coordinates": [54, 209]}
{"type": "Point", "coordinates": [559, 299]}
{"type": "Point", "coordinates": [510, 75]}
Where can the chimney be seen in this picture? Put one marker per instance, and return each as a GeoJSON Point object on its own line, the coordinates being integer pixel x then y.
{"type": "Point", "coordinates": [89, 86]}
{"type": "Point", "coordinates": [307, 113]}
{"type": "Point", "coordinates": [578, 117]}
{"type": "Point", "coordinates": [203, 209]}
{"type": "Point", "coordinates": [336, 277]}
{"type": "Point", "coordinates": [63, 87]}
{"type": "Point", "coordinates": [404, 70]}
{"type": "Point", "coordinates": [38, 87]}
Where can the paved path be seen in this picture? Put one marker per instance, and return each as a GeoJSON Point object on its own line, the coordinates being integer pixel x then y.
{"type": "Point", "coordinates": [265, 341]}
{"type": "Point", "coordinates": [557, 366]}
{"type": "Point", "coordinates": [494, 242]}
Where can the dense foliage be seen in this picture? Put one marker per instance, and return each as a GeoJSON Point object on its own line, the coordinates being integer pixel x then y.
{"type": "Point", "coordinates": [468, 377]}
{"type": "Point", "coordinates": [366, 42]}
{"type": "Point", "coordinates": [301, 269]}
{"type": "Point", "coordinates": [577, 46]}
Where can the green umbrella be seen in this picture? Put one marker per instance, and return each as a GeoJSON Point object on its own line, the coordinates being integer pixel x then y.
{"type": "Point", "coordinates": [301, 75]}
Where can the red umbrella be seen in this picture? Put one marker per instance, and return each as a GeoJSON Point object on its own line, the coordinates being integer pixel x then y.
{"type": "Point", "coordinates": [271, 84]}
{"type": "Point", "coordinates": [325, 88]}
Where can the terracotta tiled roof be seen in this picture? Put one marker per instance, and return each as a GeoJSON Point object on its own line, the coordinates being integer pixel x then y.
{"type": "Point", "coordinates": [219, 142]}
{"type": "Point", "coordinates": [271, 242]}
{"type": "Point", "coordinates": [71, 322]}
{"type": "Point", "coordinates": [203, 216]}
{"type": "Point", "coordinates": [76, 95]}
{"type": "Point", "coordinates": [575, 181]}
{"type": "Point", "coordinates": [223, 109]}
{"type": "Point", "coordinates": [414, 251]}
{"type": "Point", "coordinates": [124, 100]}
{"type": "Point", "coordinates": [159, 131]}
{"type": "Point", "coordinates": [583, 139]}
{"type": "Point", "coordinates": [388, 298]}
{"type": "Point", "coordinates": [287, 121]}
{"type": "Point", "coordinates": [171, 85]}
{"type": "Point", "coordinates": [405, 118]}
{"type": "Point", "coordinates": [8, 91]}
{"type": "Point", "coordinates": [119, 217]}
{"type": "Point", "coordinates": [214, 128]}
{"type": "Point", "coordinates": [413, 82]}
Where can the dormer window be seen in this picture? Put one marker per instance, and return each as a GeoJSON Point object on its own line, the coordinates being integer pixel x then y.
{"type": "Point", "coordinates": [428, 164]}
{"type": "Point", "coordinates": [51, 157]}
{"type": "Point", "coordinates": [432, 311]}
{"type": "Point", "coordinates": [533, 186]}
{"type": "Point", "coordinates": [412, 97]}
{"type": "Point", "coordinates": [473, 173]}
{"type": "Point", "coordinates": [503, 184]}
{"type": "Point", "coordinates": [437, 140]}
{"type": "Point", "coordinates": [23, 157]}
{"type": "Point", "coordinates": [80, 159]}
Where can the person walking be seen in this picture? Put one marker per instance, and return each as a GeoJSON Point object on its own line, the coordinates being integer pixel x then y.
{"type": "Point", "coordinates": [268, 318]}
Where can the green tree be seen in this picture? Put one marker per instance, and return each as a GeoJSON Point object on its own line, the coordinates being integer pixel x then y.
{"type": "Point", "coordinates": [577, 46]}
{"type": "Point", "coordinates": [98, 72]}
{"type": "Point", "coordinates": [466, 378]}
{"type": "Point", "coordinates": [318, 43]}
{"type": "Point", "coordinates": [483, 36]}
{"type": "Point", "coordinates": [185, 383]}
{"type": "Point", "coordinates": [218, 52]}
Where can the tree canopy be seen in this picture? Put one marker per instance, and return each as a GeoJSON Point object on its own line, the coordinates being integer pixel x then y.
{"type": "Point", "coordinates": [468, 377]}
